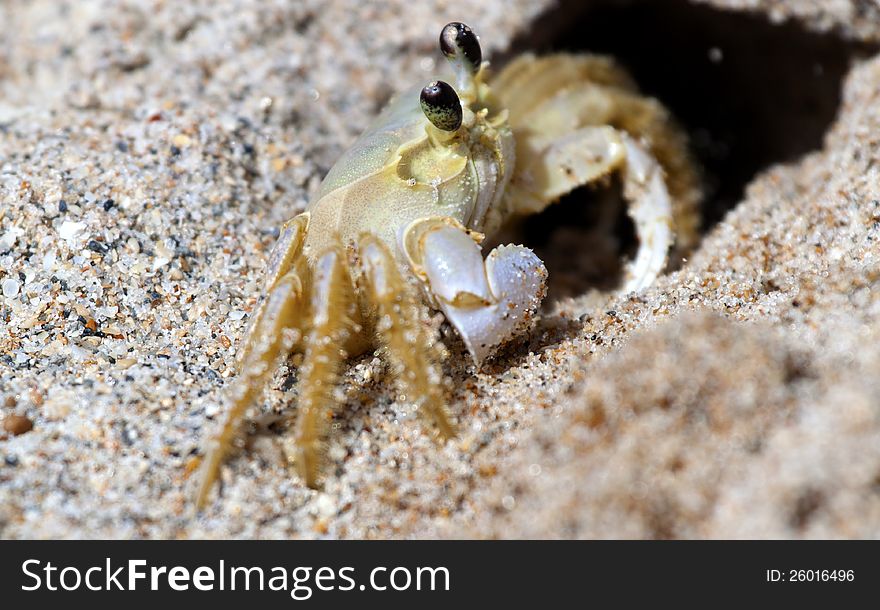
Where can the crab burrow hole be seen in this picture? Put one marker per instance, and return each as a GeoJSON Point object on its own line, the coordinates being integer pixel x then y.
{"type": "Point", "coordinates": [750, 94]}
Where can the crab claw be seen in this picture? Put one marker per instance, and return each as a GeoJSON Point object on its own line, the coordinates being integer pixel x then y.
{"type": "Point", "coordinates": [488, 302]}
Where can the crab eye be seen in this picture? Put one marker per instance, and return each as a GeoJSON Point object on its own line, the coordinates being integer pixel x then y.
{"type": "Point", "coordinates": [458, 42]}
{"type": "Point", "coordinates": [441, 105]}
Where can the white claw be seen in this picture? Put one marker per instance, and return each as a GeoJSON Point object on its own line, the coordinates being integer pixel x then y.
{"type": "Point", "coordinates": [455, 267]}
{"type": "Point", "coordinates": [488, 302]}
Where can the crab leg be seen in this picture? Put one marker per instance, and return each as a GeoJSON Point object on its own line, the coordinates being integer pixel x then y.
{"type": "Point", "coordinates": [285, 254]}
{"type": "Point", "coordinates": [551, 167]}
{"type": "Point", "coordinates": [528, 81]}
{"type": "Point", "coordinates": [410, 347]}
{"type": "Point", "coordinates": [280, 327]}
{"type": "Point", "coordinates": [651, 210]}
{"type": "Point", "coordinates": [336, 318]}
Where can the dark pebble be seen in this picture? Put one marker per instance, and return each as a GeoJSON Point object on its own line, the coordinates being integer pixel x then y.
{"type": "Point", "coordinates": [62, 206]}
{"type": "Point", "coordinates": [96, 246]}
{"type": "Point", "coordinates": [108, 203]}
{"type": "Point", "coordinates": [129, 436]}
{"type": "Point", "coordinates": [11, 460]}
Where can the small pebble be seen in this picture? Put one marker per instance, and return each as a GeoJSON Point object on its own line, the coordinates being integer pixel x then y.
{"type": "Point", "coordinates": [99, 247]}
{"type": "Point", "coordinates": [17, 424]}
{"type": "Point", "coordinates": [69, 229]}
{"type": "Point", "coordinates": [10, 288]}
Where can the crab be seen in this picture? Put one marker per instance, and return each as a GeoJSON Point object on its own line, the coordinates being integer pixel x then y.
{"type": "Point", "coordinates": [396, 226]}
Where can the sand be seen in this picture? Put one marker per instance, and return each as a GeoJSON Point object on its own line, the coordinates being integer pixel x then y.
{"type": "Point", "coordinates": [148, 154]}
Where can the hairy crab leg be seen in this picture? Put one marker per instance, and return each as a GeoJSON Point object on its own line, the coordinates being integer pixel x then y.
{"type": "Point", "coordinates": [285, 255]}
{"type": "Point", "coordinates": [552, 167]}
{"type": "Point", "coordinates": [648, 122]}
{"type": "Point", "coordinates": [410, 347]}
{"type": "Point", "coordinates": [549, 167]}
{"type": "Point", "coordinates": [552, 96]}
{"type": "Point", "coordinates": [645, 120]}
{"type": "Point", "coordinates": [280, 326]}
{"type": "Point", "coordinates": [335, 319]}
{"type": "Point", "coordinates": [527, 81]}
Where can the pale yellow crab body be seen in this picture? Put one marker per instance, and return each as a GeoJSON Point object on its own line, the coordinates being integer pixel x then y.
{"type": "Point", "coordinates": [402, 171]}
{"type": "Point", "coordinates": [396, 227]}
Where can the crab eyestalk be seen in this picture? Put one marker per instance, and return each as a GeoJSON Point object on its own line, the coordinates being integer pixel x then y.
{"type": "Point", "coordinates": [441, 105]}
{"type": "Point", "coordinates": [461, 47]}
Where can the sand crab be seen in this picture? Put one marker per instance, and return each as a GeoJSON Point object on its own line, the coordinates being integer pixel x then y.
{"type": "Point", "coordinates": [398, 221]}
